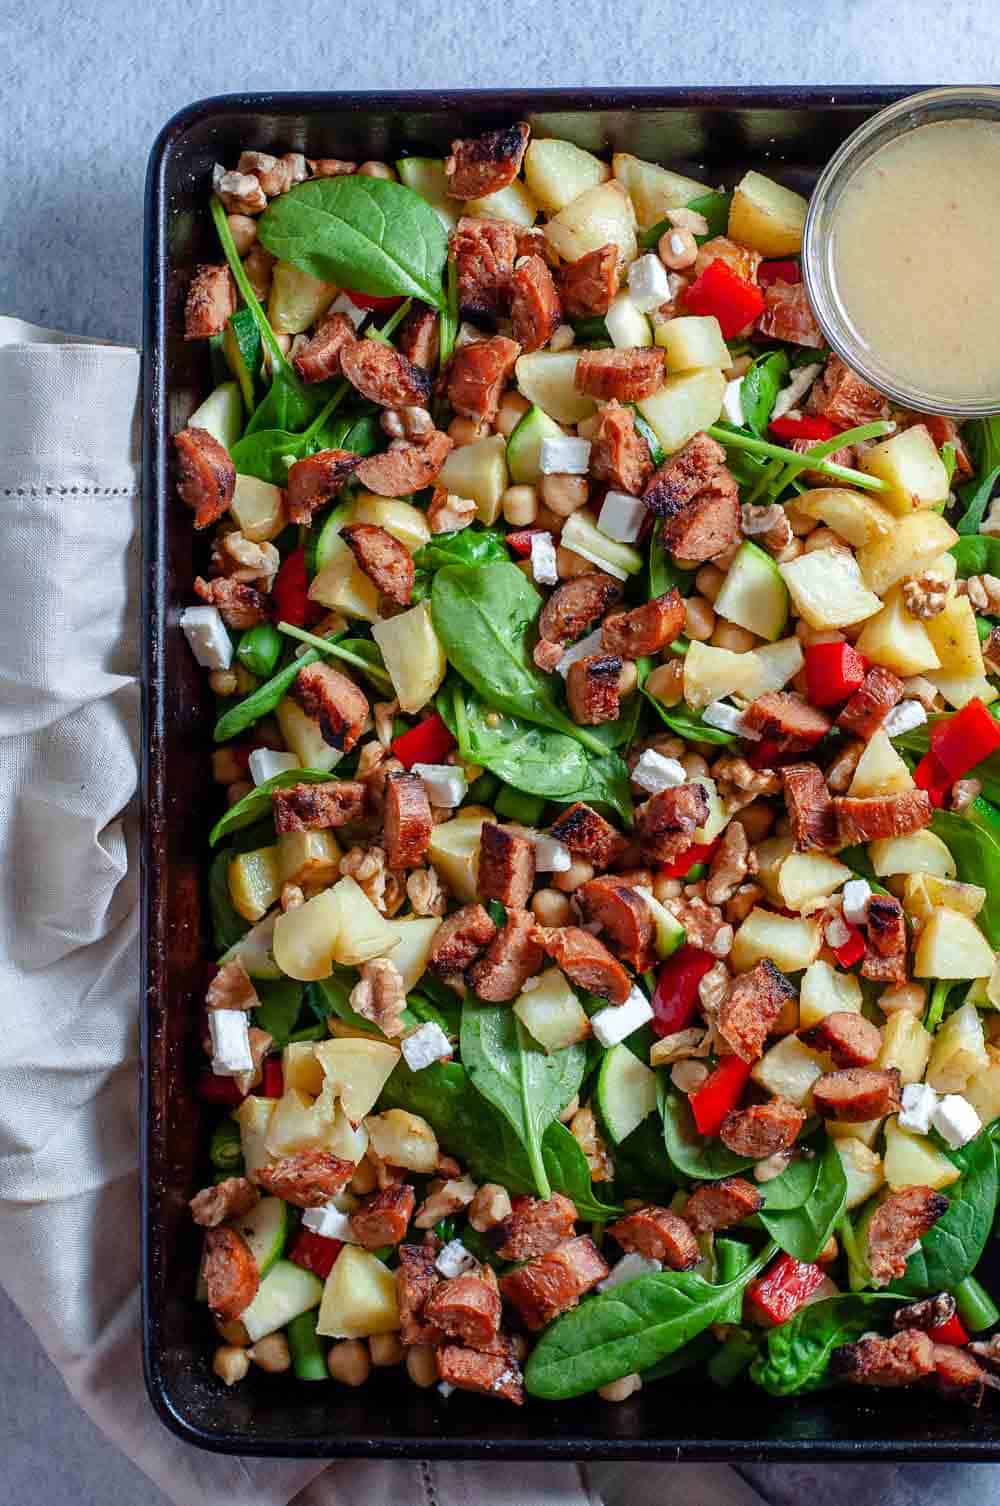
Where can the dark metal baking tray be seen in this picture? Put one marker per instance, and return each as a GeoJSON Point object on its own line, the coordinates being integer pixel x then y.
{"type": "Point", "coordinates": [716, 133]}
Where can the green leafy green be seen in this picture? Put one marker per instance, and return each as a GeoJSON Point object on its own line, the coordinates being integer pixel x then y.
{"type": "Point", "coordinates": [258, 803]}
{"type": "Point", "coordinates": [694, 1156]}
{"type": "Point", "coordinates": [973, 839]}
{"type": "Point", "coordinates": [664, 575]}
{"type": "Point", "coordinates": [977, 554]}
{"type": "Point", "coordinates": [715, 207]}
{"type": "Point", "coordinates": [796, 1356]}
{"type": "Point", "coordinates": [760, 387]}
{"type": "Point", "coordinates": [953, 1247]}
{"type": "Point", "coordinates": [819, 1187]}
{"type": "Point", "coordinates": [280, 1005]}
{"type": "Point", "coordinates": [680, 719]}
{"type": "Point", "coordinates": [262, 701]}
{"type": "Point", "coordinates": [815, 459]}
{"type": "Point", "coordinates": [265, 452]}
{"type": "Point", "coordinates": [987, 772]}
{"type": "Point", "coordinates": [470, 546]}
{"type": "Point", "coordinates": [228, 924]}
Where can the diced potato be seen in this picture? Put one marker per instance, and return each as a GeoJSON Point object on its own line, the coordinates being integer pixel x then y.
{"type": "Point", "coordinates": [305, 937]}
{"type": "Point", "coordinates": [513, 203]}
{"type": "Point", "coordinates": [301, 1070]}
{"type": "Point", "coordinates": [774, 664]}
{"type": "Point", "coordinates": [346, 1140]}
{"type": "Point", "coordinates": [896, 640]}
{"type": "Point", "coordinates": [454, 856]}
{"type": "Point", "coordinates": [771, 853]}
{"type": "Point", "coordinates": [403, 1139]}
{"type": "Point", "coordinates": [958, 1052]}
{"type": "Point", "coordinates": [863, 1170]}
{"type": "Point", "coordinates": [254, 882]}
{"type": "Point", "coordinates": [357, 1071]}
{"type": "Point", "coordinates": [959, 690]}
{"type": "Point", "coordinates": [767, 216]}
{"type": "Point", "coordinates": [919, 852]}
{"type": "Point", "coordinates": [717, 818]}
{"type": "Point", "coordinates": [551, 1013]}
{"type": "Point", "coordinates": [653, 189]}
{"type": "Point", "coordinates": [711, 673]}
{"type": "Point", "coordinates": [855, 516]}
{"type": "Point", "coordinates": [686, 403]}
{"type": "Point", "coordinates": [790, 944]}
{"type": "Point", "coordinates": [478, 471]}
{"type": "Point", "coordinates": [427, 177]}
{"type": "Point", "coordinates": [690, 342]}
{"type": "Point", "coordinates": [880, 770]}
{"type": "Point", "coordinates": [825, 990]}
{"type": "Point", "coordinates": [827, 590]}
{"type": "Point", "coordinates": [359, 1298]}
{"type": "Point", "coordinates": [805, 877]}
{"type": "Point", "coordinates": [906, 1045]}
{"type": "Point", "coordinates": [867, 1131]}
{"type": "Point", "coordinates": [255, 949]}
{"type": "Point", "coordinates": [415, 938]}
{"type": "Point", "coordinates": [557, 172]}
{"type": "Point", "coordinates": [790, 1070]}
{"type": "Point", "coordinates": [909, 549]}
{"type": "Point", "coordinates": [259, 509]}
{"type": "Point", "coordinates": [952, 946]}
{"type": "Point", "coordinates": [913, 1161]}
{"type": "Point", "coordinates": [547, 378]}
{"type": "Point", "coordinates": [991, 985]}
{"type": "Point", "coordinates": [913, 468]}
{"type": "Point", "coordinates": [254, 1118]}
{"type": "Point", "coordinates": [362, 933]}
{"type": "Point", "coordinates": [983, 1087]}
{"type": "Point", "coordinates": [598, 217]}
{"type": "Point", "coordinates": [923, 893]}
{"type": "Point", "coordinates": [308, 857]}
{"type": "Point", "coordinates": [344, 587]}
{"type": "Point", "coordinates": [945, 565]}
{"type": "Point", "coordinates": [413, 656]}
{"type": "Point", "coordinates": [304, 737]}
{"type": "Point", "coordinates": [404, 521]}
{"type": "Point", "coordinates": [954, 636]}
{"type": "Point", "coordinates": [296, 300]}
{"type": "Point", "coordinates": [299, 1123]}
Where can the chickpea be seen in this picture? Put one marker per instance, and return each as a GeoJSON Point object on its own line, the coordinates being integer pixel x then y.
{"type": "Point", "coordinates": [243, 230]}
{"type": "Point", "coordinates": [801, 524]}
{"type": "Point", "coordinates": [385, 1349]}
{"type": "Point", "coordinates": [909, 998]}
{"type": "Point", "coordinates": [236, 792]}
{"type": "Point", "coordinates": [512, 409]}
{"type": "Point", "coordinates": [378, 170]}
{"type": "Point", "coordinates": [272, 1354]}
{"type": "Point", "coordinates": [223, 682]}
{"type": "Point", "coordinates": [791, 551]}
{"type": "Point", "coordinates": [666, 888]}
{"type": "Point", "coordinates": [709, 581]}
{"type": "Point", "coordinates": [466, 430]}
{"type": "Point", "coordinates": [688, 1076]}
{"type": "Point", "coordinates": [757, 818]}
{"type": "Point", "coordinates": [421, 1366]}
{"type": "Point", "coordinates": [232, 1332]}
{"type": "Point", "coordinates": [520, 505]}
{"type": "Point", "coordinates": [806, 634]}
{"type": "Point", "coordinates": [550, 908]}
{"type": "Point", "coordinates": [628, 679]}
{"type": "Point", "coordinates": [230, 1364]}
{"type": "Point", "coordinates": [570, 564]}
{"type": "Point", "coordinates": [226, 767]}
{"type": "Point", "coordinates": [562, 337]}
{"type": "Point", "coordinates": [824, 538]}
{"type": "Point", "coordinates": [349, 1362]}
{"type": "Point", "coordinates": [699, 619]}
{"type": "Point", "coordinates": [736, 639]}
{"type": "Point", "coordinates": [245, 681]}
{"type": "Point", "coordinates": [364, 1178]}
{"type": "Point", "coordinates": [694, 766]}
{"type": "Point", "coordinates": [564, 494]}
{"type": "Point", "coordinates": [620, 1390]}
{"type": "Point", "coordinates": [677, 249]}
{"type": "Point", "coordinates": [576, 874]}
{"type": "Point", "coordinates": [666, 682]}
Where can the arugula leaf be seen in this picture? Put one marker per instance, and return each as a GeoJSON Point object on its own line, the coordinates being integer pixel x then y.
{"type": "Point", "coordinates": [973, 839]}
{"type": "Point", "coordinates": [760, 387]}
{"type": "Point", "coordinates": [796, 1356]}
{"type": "Point", "coordinates": [803, 1228]}
{"type": "Point", "coordinates": [696, 1157]}
{"type": "Point", "coordinates": [953, 1247]}
{"type": "Point", "coordinates": [258, 803]}
{"type": "Point", "coordinates": [228, 925]}
{"type": "Point", "coordinates": [280, 1006]}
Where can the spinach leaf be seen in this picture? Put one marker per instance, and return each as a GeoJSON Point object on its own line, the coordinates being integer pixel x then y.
{"type": "Point", "coordinates": [258, 803]}
{"type": "Point", "coordinates": [686, 1358]}
{"type": "Point", "coordinates": [663, 573]}
{"type": "Point", "coordinates": [228, 924]}
{"type": "Point", "coordinates": [952, 1249]}
{"type": "Point", "coordinates": [715, 207]}
{"type": "Point", "coordinates": [987, 772]}
{"type": "Point", "coordinates": [529, 1086]}
{"type": "Point", "coordinates": [630, 1328]}
{"type": "Point", "coordinates": [694, 1156]}
{"type": "Point", "coordinates": [265, 452]}
{"type": "Point", "coordinates": [759, 389]}
{"type": "Point", "coordinates": [981, 437]}
{"type": "Point", "coordinates": [361, 653]}
{"type": "Point", "coordinates": [262, 701]}
{"type": "Point", "coordinates": [975, 497]}
{"type": "Point", "coordinates": [681, 719]}
{"type": "Point", "coordinates": [470, 546]}
{"type": "Point", "coordinates": [977, 554]}
{"type": "Point", "coordinates": [796, 1357]}
{"type": "Point", "coordinates": [641, 1165]}
{"type": "Point", "coordinates": [280, 1005]}
{"type": "Point", "coordinates": [973, 839]}
{"type": "Point", "coordinates": [803, 1228]}
{"type": "Point", "coordinates": [364, 233]}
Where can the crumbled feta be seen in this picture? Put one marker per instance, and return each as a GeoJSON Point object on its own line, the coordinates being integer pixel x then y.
{"type": "Point", "coordinates": [627, 1269]}
{"type": "Point", "coordinates": [647, 283]}
{"type": "Point", "coordinates": [424, 1046]}
{"type": "Point", "coordinates": [543, 560]}
{"type": "Point", "coordinates": [613, 1024]}
{"type": "Point", "coordinates": [265, 763]}
{"type": "Point", "coordinates": [344, 305]}
{"type": "Point", "coordinates": [919, 1104]}
{"type": "Point", "coordinates": [589, 645]}
{"type": "Point", "coordinates": [206, 632]}
{"type": "Point", "coordinates": [724, 716]}
{"type": "Point", "coordinates": [551, 855]}
{"type": "Point", "coordinates": [230, 1032]}
{"type": "Point", "coordinates": [856, 893]}
{"type": "Point", "coordinates": [654, 772]}
{"type": "Point", "coordinates": [956, 1121]}
{"type": "Point", "coordinates": [836, 932]}
{"type": "Point", "coordinates": [329, 1222]}
{"type": "Point", "coordinates": [903, 718]}
{"type": "Point", "coordinates": [621, 517]}
{"type": "Point", "coordinates": [564, 456]}
{"type": "Point", "coordinates": [454, 1259]}
{"type": "Point", "coordinates": [732, 402]}
{"type": "Point", "coordinates": [445, 783]}
{"type": "Point", "coordinates": [796, 389]}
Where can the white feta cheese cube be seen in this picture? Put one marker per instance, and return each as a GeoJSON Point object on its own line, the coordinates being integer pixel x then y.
{"type": "Point", "coordinates": [613, 1024]}
{"type": "Point", "coordinates": [796, 389]}
{"type": "Point", "coordinates": [856, 894]}
{"type": "Point", "coordinates": [551, 855]}
{"type": "Point", "coordinates": [648, 285]}
{"type": "Point", "coordinates": [732, 402]}
{"type": "Point", "coordinates": [724, 716]}
{"type": "Point", "coordinates": [230, 1032]}
{"type": "Point", "coordinates": [445, 783]}
{"type": "Point", "coordinates": [627, 1269]}
{"type": "Point", "coordinates": [265, 763]}
{"type": "Point", "coordinates": [956, 1121]}
{"type": "Point", "coordinates": [919, 1104]}
{"type": "Point", "coordinates": [654, 772]}
{"type": "Point", "coordinates": [329, 1222]}
{"type": "Point", "coordinates": [344, 305]}
{"type": "Point", "coordinates": [206, 633]}
{"type": "Point", "coordinates": [621, 517]}
{"type": "Point", "coordinates": [424, 1046]}
{"type": "Point", "coordinates": [564, 455]}
{"type": "Point", "coordinates": [903, 718]}
{"type": "Point", "coordinates": [543, 560]}
{"type": "Point", "coordinates": [589, 645]}
{"type": "Point", "coordinates": [454, 1259]}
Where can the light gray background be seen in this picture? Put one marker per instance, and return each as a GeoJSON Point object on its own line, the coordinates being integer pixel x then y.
{"type": "Point", "coordinates": [85, 88]}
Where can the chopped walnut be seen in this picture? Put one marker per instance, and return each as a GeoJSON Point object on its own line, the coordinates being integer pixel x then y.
{"type": "Point", "coordinates": [700, 920]}
{"type": "Point", "coordinates": [991, 652]}
{"type": "Point", "coordinates": [713, 988]}
{"type": "Point", "coordinates": [963, 792]}
{"type": "Point", "coordinates": [276, 175]}
{"type": "Point", "coordinates": [240, 193]}
{"type": "Point", "coordinates": [331, 167]}
{"type": "Point", "coordinates": [679, 1047]}
{"type": "Point", "coordinates": [425, 892]}
{"type": "Point", "coordinates": [444, 1199]}
{"type": "Point", "coordinates": [739, 784]}
{"type": "Point", "coordinates": [384, 712]}
{"type": "Point", "coordinates": [742, 902]}
{"type": "Point", "coordinates": [369, 758]}
{"type": "Point", "coordinates": [413, 422]}
{"type": "Point", "coordinates": [260, 1045]}
{"type": "Point", "coordinates": [841, 771]}
{"type": "Point", "coordinates": [394, 896]}
{"type": "Point", "coordinates": [733, 860]}
{"type": "Point", "coordinates": [925, 595]}
{"type": "Point", "coordinates": [380, 995]}
{"type": "Point", "coordinates": [770, 525]}
{"type": "Point", "coordinates": [917, 688]}
{"type": "Point", "coordinates": [231, 988]}
{"type": "Point", "coordinates": [240, 558]}
{"type": "Point", "coordinates": [984, 593]}
{"type": "Point", "coordinates": [489, 1207]}
{"type": "Point", "coordinates": [291, 897]}
{"type": "Point", "coordinates": [688, 219]}
{"type": "Point", "coordinates": [583, 1128]}
{"type": "Point", "coordinates": [366, 866]}
{"type": "Point", "coordinates": [386, 1175]}
{"type": "Point", "coordinates": [448, 513]}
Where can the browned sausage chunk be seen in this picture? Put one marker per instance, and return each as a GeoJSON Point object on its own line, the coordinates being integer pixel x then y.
{"type": "Point", "coordinates": [477, 375]}
{"type": "Point", "coordinates": [896, 1225]}
{"type": "Point", "coordinates": [680, 478]}
{"type": "Point", "coordinates": [786, 719]}
{"type": "Point", "coordinates": [459, 940]}
{"type": "Point", "coordinates": [866, 820]}
{"type": "Point", "coordinates": [513, 956]}
{"type": "Point", "coordinates": [316, 479]}
{"type": "Point", "coordinates": [484, 252]}
{"type": "Point", "coordinates": [383, 375]}
{"type": "Point", "coordinates": [764, 1129]}
{"type": "Point", "coordinates": [788, 316]}
{"type": "Point", "coordinates": [844, 398]}
{"type": "Point", "coordinates": [708, 525]}
{"type": "Point", "coordinates": [645, 629]}
{"type": "Point", "coordinates": [313, 807]}
{"type": "Point", "coordinates": [496, 1373]}
{"type": "Point", "coordinates": [587, 962]}
{"type": "Point", "coordinates": [467, 1307]}
{"type": "Point", "coordinates": [227, 1199]}
{"type": "Point", "coordinates": [383, 1217]}
{"type": "Point", "coordinates": [618, 452]}
{"type": "Point", "coordinates": [588, 835]}
{"type": "Point", "coordinates": [855, 1094]}
{"type": "Point", "coordinates": [810, 807]}
{"type": "Point", "coordinates": [416, 1279]}
{"type": "Point", "coordinates": [408, 821]}
{"type": "Point", "coordinates": [307, 1178]}
{"type": "Point", "coordinates": [751, 1007]}
{"type": "Point", "coordinates": [387, 563]}
{"type": "Point", "coordinates": [506, 866]}
{"type": "Point", "coordinates": [533, 1227]}
{"type": "Point", "coordinates": [666, 823]}
{"type": "Point", "coordinates": [851, 1040]}
{"type": "Point", "coordinates": [206, 477]}
{"type": "Point", "coordinates": [592, 689]}
{"type": "Point", "coordinates": [404, 468]}
{"type": "Point", "coordinates": [589, 284]}
{"type": "Point", "coordinates": [899, 1361]}
{"type": "Point", "coordinates": [481, 165]}
{"type": "Point", "coordinates": [628, 375]}
{"type": "Point", "coordinates": [625, 916]}
{"type": "Point", "coordinates": [577, 606]}
{"type": "Point", "coordinates": [885, 952]}
{"type": "Point", "coordinates": [418, 337]}
{"type": "Point", "coordinates": [335, 701]}
{"type": "Point", "coordinates": [719, 1205]}
{"type": "Point", "coordinates": [871, 702]}
{"type": "Point", "coordinates": [319, 358]}
{"type": "Point", "coordinates": [534, 304]}
{"type": "Point", "coordinates": [929, 1313]}
{"type": "Point", "coordinates": [555, 1282]}
{"type": "Point", "coordinates": [211, 301]}
{"type": "Point", "coordinates": [659, 1235]}
{"type": "Point", "coordinates": [230, 1273]}
{"type": "Point", "coordinates": [240, 606]}
{"type": "Point", "coordinates": [958, 1375]}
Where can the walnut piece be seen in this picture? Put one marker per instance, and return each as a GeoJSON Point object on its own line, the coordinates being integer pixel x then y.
{"type": "Point", "coordinates": [425, 892]}
{"type": "Point", "coordinates": [231, 988]}
{"type": "Point", "coordinates": [444, 1199]}
{"type": "Point", "coordinates": [963, 792]}
{"type": "Point", "coordinates": [583, 1127]}
{"type": "Point", "coordinates": [260, 1045]}
{"type": "Point", "coordinates": [489, 1207]}
{"type": "Point", "coordinates": [984, 593]}
{"type": "Point", "coordinates": [739, 784]}
{"type": "Point", "coordinates": [732, 862]}
{"type": "Point", "coordinates": [380, 995]}
{"type": "Point", "coordinates": [925, 595]}
{"type": "Point", "coordinates": [448, 513]}
{"type": "Point", "coordinates": [239, 558]}
{"type": "Point", "coordinates": [240, 193]}
{"type": "Point", "coordinates": [383, 713]}
{"type": "Point", "coordinates": [701, 921]}
{"type": "Point", "coordinates": [679, 1047]}
{"type": "Point", "coordinates": [276, 175]}
{"type": "Point", "coordinates": [366, 866]}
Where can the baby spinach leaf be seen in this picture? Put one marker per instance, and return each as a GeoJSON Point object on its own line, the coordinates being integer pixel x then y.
{"type": "Point", "coordinates": [981, 437]}
{"type": "Point", "coordinates": [641, 1165]}
{"type": "Point", "coordinates": [364, 233]}
{"type": "Point", "coordinates": [973, 839]}
{"type": "Point", "coordinates": [228, 924]}
{"type": "Point", "coordinates": [686, 1358]}
{"type": "Point", "coordinates": [952, 1249]}
{"type": "Point", "coordinates": [802, 1228]}
{"type": "Point", "coordinates": [470, 546]}
{"type": "Point", "coordinates": [258, 803]}
{"type": "Point", "coordinates": [691, 1155]}
{"type": "Point", "coordinates": [975, 497]}
{"type": "Point", "coordinates": [663, 573]}
{"type": "Point", "coordinates": [759, 389]}
{"type": "Point", "coordinates": [977, 554]}
{"type": "Point", "coordinates": [987, 772]}
{"type": "Point", "coordinates": [262, 701]}
{"type": "Point", "coordinates": [796, 1356]}
{"type": "Point", "coordinates": [280, 1006]}
{"type": "Point", "coordinates": [715, 207]}
{"type": "Point", "coordinates": [681, 719]}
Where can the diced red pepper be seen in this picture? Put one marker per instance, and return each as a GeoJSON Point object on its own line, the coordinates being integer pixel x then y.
{"type": "Point", "coordinates": [931, 775]}
{"type": "Point", "coordinates": [783, 1288]}
{"type": "Point", "coordinates": [372, 300]}
{"type": "Point", "coordinates": [719, 1093]}
{"type": "Point", "coordinates": [520, 541]}
{"type": "Point", "coordinates": [965, 739]}
{"type": "Point", "coordinates": [698, 852]}
{"type": "Point", "coordinates": [273, 1081]}
{"type": "Point", "coordinates": [428, 742]}
{"type": "Point", "coordinates": [808, 426]}
{"type": "Point", "coordinates": [767, 754]}
{"type": "Point", "coordinates": [834, 671]}
{"type": "Point", "coordinates": [314, 1252]}
{"type": "Point", "coordinates": [213, 1088]}
{"type": "Point", "coordinates": [719, 291]}
{"type": "Point", "coordinates": [852, 950]}
{"type": "Point", "coordinates": [290, 592]}
{"type": "Point", "coordinates": [778, 271]}
{"type": "Point", "coordinates": [675, 997]}
{"type": "Point", "coordinates": [951, 1332]}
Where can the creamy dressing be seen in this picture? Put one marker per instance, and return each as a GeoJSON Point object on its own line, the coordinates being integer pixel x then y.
{"type": "Point", "coordinates": [915, 258]}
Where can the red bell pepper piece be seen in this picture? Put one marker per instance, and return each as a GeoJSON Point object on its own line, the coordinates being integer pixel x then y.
{"type": "Point", "coordinates": [428, 742]}
{"type": "Point", "coordinates": [719, 291]}
{"type": "Point", "coordinates": [213, 1088]}
{"type": "Point", "coordinates": [965, 739]}
{"type": "Point", "coordinates": [372, 300]}
{"type": "Point", "coordinates": [808, 426]}
{"type": "Point", "coordinates": [675, 997]}
{"type": "Point", "coordinates": [783, 1288]}
{"type": "Point", "coordinates": [778, 271]}
{"type": "Point", "coordinates": [834, 671]}
{"type": "Point", "coordinates": [273, 1081]}
{"type": "Point", "coordinates": [931, 775]}
{"type": "Point", "coordinates": [290, 592]}
{"type": "Point", "coordinates": [951, 1332]}
{"type": "Point", "coordinates": [852, 950]}
{"type": "Point", "coordinates": [718, 1094]}
{"type": "Point", "coordinates": [698, 852]}
{"type": "Point", "coordinates": [314, 1252]}
{"type": "Point", "coordinates": [767, 754]}
{"type": "Point", "coordinates": [520, 541]}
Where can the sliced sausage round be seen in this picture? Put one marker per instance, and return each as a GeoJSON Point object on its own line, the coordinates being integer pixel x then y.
{"type": "Point", "coordinates": [577, 606]}
{"type": "Point", "coordinates": [206, 477]}
{"type": "Point", "coordinates": [857, 1094]}
{"type": "Point", "coordinates": [851, 1040]}
{"type": "Point", "coordinates": [587, 962]}
{"type": "Point", "coordinates": [762, 1130]}
{"type": "Point", "coordinates": [230, 1273]}
{"type": "Point", "coordinates": [385, 561]}
{"type": "Point", "coordinates": [316, 479]}
{"type": "Point", "coordinates": [404, 467]}
{"type": "Point", "coordinates": [645, 629]}
{"type": "Point", "coordinates": [307, 1178]}
{"type": "Point", "coordinates": [408, 821]}
{"type": "Point", "coordinates": [535, 310]}
{"type": "Point", "coordinates": [625, 916]}
{"type": "Point", "coordinates": [384, 376]}
{"type": "Point", "coordinates": [896, 1225]}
